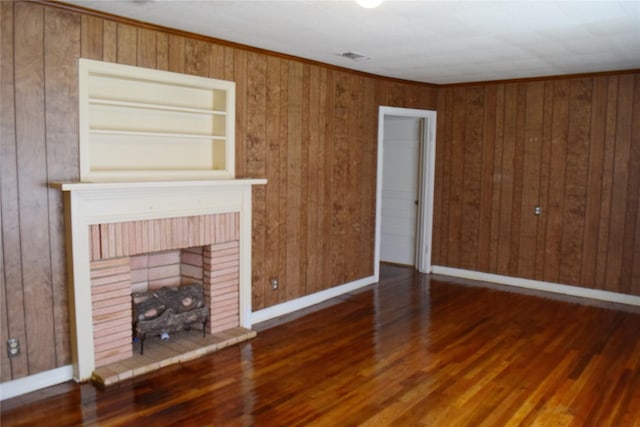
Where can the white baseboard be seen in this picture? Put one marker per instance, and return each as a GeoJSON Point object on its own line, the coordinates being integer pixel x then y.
{"type": "Point", "coordinates": [45, 379]}
{"type": "Point", "coordinates": [35, 382]}
{"type": "Point", "coordinates": [309, 300]}
{"type": "Point", "coordinates": [539, 285]}
{"type": "Point", "coordinates": [65, 373]}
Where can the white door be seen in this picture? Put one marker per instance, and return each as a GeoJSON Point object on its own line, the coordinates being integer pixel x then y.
{"type": "Point", "coordinates": [400, 188]}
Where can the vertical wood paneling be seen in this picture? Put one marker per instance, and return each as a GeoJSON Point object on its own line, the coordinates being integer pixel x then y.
{"type": "Point", "coordinates": [62, 46]}
{"type": "Point", "coordinates": [197, 55]}
{"type": "Point", "coordinates": [240, 72]}
{"type": "Point", "coordinates": [256, 152]}
{"type": "Point", "coordinates": [472, 190]}
{"type": "Point", "coordinates": [560, 122]}
{"type": "Point", "coordinates": [632, 199]}
{"type": "Point", "coordinates": [327, 169]}
{"type": "Point", "coordinates": [456, 179]}
{"type": "Point", "coordinates": [262, 295]}
{"type": "Point", "coordinates": [5, 367]}
{"type": "Point", "coordinates": [91, 40]}
{"type": "Point", "coordinates": [567, 145]}
{"type": "Point", "coordinates": [633, 286]}
{"type": "Point", "coordinates": [354, 184]}
{"type": "Point", "coordinates": [162, 51]}
{"type": "Point", "coordinates": [294, 177]}
{"type": "Point", "coordinates": [369, 177]}
{"type": "Point", "coordinates": [487, 181]}
{"type": "Point", "coordinates": [324, 203]}
{"type": "Point", "coordinates": [575, 181]}
{"type": "Point", "coordinates": [229, 63]}
{"type": "Point", "coordinates": [313, 191]}
{"type": "Point", "coordinates": [518, 178]}
{"type": "Point", "coordinates": [304, 180]}
{"type": "Point", "coordinates": [283, 204]}
{"type": "Point", "coordinates": [216, 64]}
{"type": "Point", "coordinates": [635, 274]}
{"type": "Point", "coordinates": [543, 187]}
{"type": "Point", "coordinates": [147, 51]}
{"type": "Point", "coordinates": [340, 177]}
{"type": "Point", "coordinates": [32, 185]}
{"type": "Point", "coordinates": [446, 182]}
{"type": "Point", "coordinates": [497, 180]}
{"type": "Point", "coordinates": [619, 202]}
{"type": "Point", "coordinates": [12, 303]}
{"type": "Point", "coordinates": [311, 130]}
{"type": "Point", "coordinates": [594, 180]}
{"type": "Point", "coordinates": [507, 184]}
{"type": "Point", "coordinates": [176, 53]}
{"type": "Point", "coordinates": [110, 41]}
{"type": "Point", "coordinates": [531, 177]}
{"type": "Point", "coordinates": [439, 177]}
{"type": "Point", "coordinates": [126, 44]}
{"type": "Point", "coordinates": [607, 184]}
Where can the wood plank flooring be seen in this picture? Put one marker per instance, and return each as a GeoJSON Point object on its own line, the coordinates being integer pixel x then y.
{"type": "Point", "coordinates": [413, 350]}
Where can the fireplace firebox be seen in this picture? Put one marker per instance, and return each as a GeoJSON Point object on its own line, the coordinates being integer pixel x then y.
{"type": "Point", "coordinates": [167, 310]}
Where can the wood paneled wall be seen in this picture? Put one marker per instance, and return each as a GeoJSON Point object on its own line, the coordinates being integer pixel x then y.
{"type": "Point", "coordinates": [310, 129]}
{"type": "Point", "coordinates": [570, 146]}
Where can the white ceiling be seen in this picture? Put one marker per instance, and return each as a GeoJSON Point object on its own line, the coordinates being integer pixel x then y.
{"type": "Point", "coordinates": [427, 41]}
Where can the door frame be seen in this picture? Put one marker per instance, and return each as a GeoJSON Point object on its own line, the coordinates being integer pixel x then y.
{"type": "Point", "coordinates": [426, 180]}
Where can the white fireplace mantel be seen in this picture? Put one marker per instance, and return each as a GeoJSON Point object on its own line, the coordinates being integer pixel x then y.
{"type": "Point", "coordinates": [88, 203]}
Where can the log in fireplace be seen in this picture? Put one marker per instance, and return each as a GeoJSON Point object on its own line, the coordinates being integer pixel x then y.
{"type": "Point", "coordinates": [167, 310]}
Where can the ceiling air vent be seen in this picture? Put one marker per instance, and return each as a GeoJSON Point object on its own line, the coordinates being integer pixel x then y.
{"type": "Point", "coordinates": [355, 56]}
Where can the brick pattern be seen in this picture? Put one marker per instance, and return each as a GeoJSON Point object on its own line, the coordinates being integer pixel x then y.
{"type": "Point", "coordinates": [221, 285]}
{"type": "Point", "coordinates": [139, 237]}
{"type": "Point", "coordinates": [155, 270]}
{"type": "Point", "coordinates": [215, 263]}
{"type": "Point", "coordinates": [140, 273]}
{"type": "Point", "coordinates": [111, 303]}
{"type": "Point", "coordinates": [191, 265]}
{"type": "Point", "coordinates": [164, 269]}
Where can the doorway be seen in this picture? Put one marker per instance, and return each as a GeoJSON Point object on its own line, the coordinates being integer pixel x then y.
{"type": "Point", "coordinates": [406, 161]}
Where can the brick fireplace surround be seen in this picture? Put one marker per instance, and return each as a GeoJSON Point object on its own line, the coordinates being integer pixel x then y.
{"type": "Point", "coordinates": [114, 228]}
{"type": "Point", "coordinates": [206, 249]}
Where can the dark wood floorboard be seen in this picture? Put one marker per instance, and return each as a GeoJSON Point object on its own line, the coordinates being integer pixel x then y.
{"type": "Point", "coordinates": [413, 350]}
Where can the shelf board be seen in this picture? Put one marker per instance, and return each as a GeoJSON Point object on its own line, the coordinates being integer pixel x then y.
{"type": "Point", "coordinates": [142, 105]}
{"type": "Point", "coordinates": [158, 134]}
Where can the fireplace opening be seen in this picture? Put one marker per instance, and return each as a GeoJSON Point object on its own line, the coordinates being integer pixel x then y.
{"type": "Point", "coordinates": [168, 310]}
{"type": "Point", "coordinates": [148, 260]}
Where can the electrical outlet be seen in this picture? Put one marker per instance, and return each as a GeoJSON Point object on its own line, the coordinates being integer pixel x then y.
{"type": "Point", "coordinates": [274, 283]}
{"type": "Point", "coordinates": [13, 347]}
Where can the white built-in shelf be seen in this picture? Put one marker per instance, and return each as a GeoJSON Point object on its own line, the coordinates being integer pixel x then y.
{"type": "Point", "coordinates": [144, 124]}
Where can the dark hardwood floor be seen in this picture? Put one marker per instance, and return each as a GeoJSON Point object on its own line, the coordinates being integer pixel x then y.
{"type": "Point", "coordinates": [412, 350]}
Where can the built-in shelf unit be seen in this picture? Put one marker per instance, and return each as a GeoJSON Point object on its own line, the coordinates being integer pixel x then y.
{"type": "Point", "coordinates": [143, 124]}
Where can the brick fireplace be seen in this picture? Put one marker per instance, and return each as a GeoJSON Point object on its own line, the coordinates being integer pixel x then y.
{"type": "Point", "coordinates": [125, 237]}
{"type": "Point", "coordinates": [146, 255]}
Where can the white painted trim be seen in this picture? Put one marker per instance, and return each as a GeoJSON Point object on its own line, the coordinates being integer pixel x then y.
{"type": "Point", "coordinates": [100, 203]}
{"type": "Point", "coordinates": [427, 187]}
{"type": "Point", "coordinates": [309, 300]}
{"type": "Point", "coordinates": [557, 288]}
{"type": "Point", "coordinates": [425, 227]}
{"type": "Point", "coordinates": [93, 74]}
{"type": "Point", "coordinates": [35, 382]}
